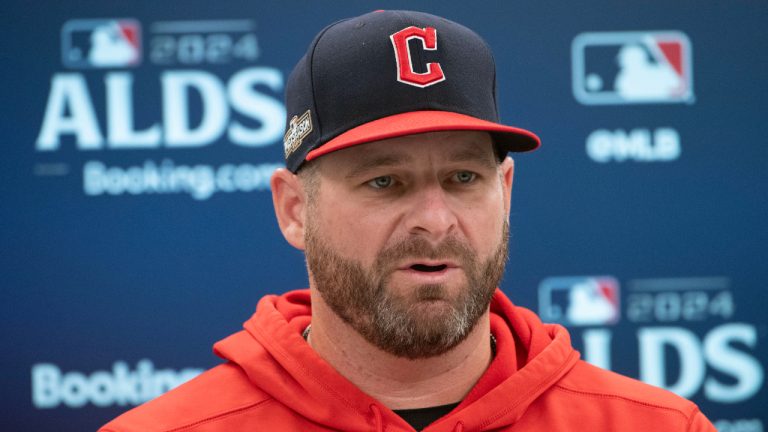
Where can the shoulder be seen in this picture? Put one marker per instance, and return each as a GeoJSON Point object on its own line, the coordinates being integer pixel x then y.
{"type": "Point", "coordinates": [609, 394]}
{"type": "Point", "coordinates": [215, 394]}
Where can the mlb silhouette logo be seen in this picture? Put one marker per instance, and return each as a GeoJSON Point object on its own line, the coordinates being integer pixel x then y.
{"type": "Point", "coordinates": [101, 43]}
{"type": "Point", "coordinates": [579, 300]}
{"type": "Point", "coordinates": [632, 68]}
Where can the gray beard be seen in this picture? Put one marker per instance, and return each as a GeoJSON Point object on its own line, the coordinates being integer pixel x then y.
{"type": "Point", "coordinates": [398, 324]}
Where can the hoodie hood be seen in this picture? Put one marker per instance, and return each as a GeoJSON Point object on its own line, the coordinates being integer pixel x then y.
{"type": "Point", "coordinates": [530, 358]}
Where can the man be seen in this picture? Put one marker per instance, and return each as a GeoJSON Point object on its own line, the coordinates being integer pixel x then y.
{"type": "Point", "coordinates": [397, 188]}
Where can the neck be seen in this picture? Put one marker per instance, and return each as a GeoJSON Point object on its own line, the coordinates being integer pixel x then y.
{"type": "Point", "coordinates": [397, 382]}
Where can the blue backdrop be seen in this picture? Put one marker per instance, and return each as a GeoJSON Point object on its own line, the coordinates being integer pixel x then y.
{"type": "Point", "coordinates": [137, 225]}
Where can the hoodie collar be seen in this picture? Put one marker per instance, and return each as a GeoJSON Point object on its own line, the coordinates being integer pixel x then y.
{"type": "Point", "coordinates": [530, 358]}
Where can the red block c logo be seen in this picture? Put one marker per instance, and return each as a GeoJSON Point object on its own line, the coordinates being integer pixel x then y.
{"type": "Point", "coordinates": [405, 73]}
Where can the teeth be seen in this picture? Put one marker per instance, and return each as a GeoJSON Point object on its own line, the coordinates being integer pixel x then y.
{"type": "Point", "coordinates": [428, 268]}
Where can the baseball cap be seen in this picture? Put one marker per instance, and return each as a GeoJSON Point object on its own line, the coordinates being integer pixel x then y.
{"type": "Point", "coordinates": [392, 73]}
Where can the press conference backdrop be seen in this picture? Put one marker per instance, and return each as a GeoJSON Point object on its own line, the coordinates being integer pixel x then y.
{"type": "Point", "coordinates": [137, 223]}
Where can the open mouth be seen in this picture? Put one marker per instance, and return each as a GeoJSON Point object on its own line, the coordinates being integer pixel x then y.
{"type": "Point", "coordinates": [428, 268]}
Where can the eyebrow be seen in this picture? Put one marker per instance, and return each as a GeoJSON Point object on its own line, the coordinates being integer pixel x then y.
{"type": "Point", "coordinates": [377, 162]}
{"type": "Point", "coordinates": [474, 153]}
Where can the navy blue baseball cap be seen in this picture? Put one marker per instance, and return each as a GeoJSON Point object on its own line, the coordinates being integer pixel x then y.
{"type": "Point", "coordinates": [387, 74]}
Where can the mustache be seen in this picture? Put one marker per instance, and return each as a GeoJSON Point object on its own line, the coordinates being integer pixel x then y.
{"type": "Point", "coordinates": [419, 247]}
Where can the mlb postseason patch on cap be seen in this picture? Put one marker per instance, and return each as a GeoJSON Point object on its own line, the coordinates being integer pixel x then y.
{"type": "Point", "coordinates": [298, 129]}
{"type": "Point", "coordinates": [392, 73]}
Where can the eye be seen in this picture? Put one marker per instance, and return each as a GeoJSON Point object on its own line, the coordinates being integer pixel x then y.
{"type": "Point", "coordinates": [464, 176]}
{"type": "Point", "coordinates": [382, 182]}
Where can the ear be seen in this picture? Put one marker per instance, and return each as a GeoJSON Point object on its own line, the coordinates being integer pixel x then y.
{"type": "Point", "coordinates": [507, 169]}
{"type": "Point", "coordinates": [289, 200]}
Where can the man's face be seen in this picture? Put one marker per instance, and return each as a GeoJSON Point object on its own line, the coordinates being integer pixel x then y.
{"type": "Point", "coordinates": [406, 238]}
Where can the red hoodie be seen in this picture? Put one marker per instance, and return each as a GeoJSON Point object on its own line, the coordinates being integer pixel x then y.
{"type": "Point", "coordinates": [274, 381]}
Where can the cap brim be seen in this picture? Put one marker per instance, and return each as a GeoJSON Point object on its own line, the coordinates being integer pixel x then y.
{"type": "Point", "coordinates": [507, 138]}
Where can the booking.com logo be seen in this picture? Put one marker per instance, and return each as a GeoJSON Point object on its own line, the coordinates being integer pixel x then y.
{"type": "Point", "coordinates": [121, 386]}
{"type": "Point", "coordinates": [200, 181]}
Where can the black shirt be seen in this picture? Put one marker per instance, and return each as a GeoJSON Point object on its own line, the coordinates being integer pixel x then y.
{"type": "Point", "coordinates": [423, 417]}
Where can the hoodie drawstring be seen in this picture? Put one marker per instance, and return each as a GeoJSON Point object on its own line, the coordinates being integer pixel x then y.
{"type": "Point", "coordinates": [377, 418]}
{"type": "Point", "coordinates": [459, 427]}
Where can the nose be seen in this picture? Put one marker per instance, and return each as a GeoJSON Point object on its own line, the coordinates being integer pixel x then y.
{"type": "Point", "coordinates": [431, 214]}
